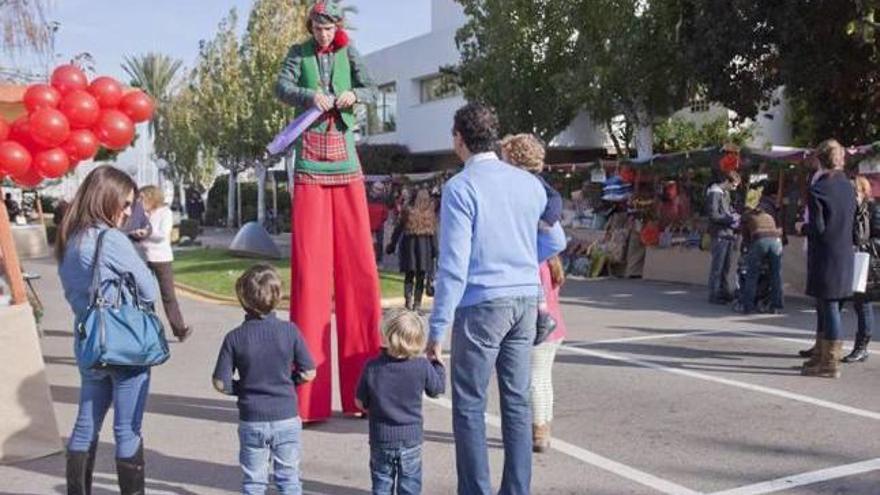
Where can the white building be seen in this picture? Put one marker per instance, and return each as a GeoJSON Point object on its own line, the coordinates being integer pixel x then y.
{"type": "Point", "coordinates": [415, 107]}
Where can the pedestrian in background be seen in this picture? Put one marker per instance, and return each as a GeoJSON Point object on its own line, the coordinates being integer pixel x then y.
{"type": "Point", "coordinates": [156, 247]}
{"type": "Point", "coordinates": [830, 255]}
{"type": "Point", "coordinates": [416, 236]}
{"type": "Point", "coordinates": [723, 226]}
{"type": "Point", "coordinates": [867, 240]}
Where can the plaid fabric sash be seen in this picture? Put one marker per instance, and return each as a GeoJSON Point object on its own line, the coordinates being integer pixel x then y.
{"type": "Point", "coordinates": [325, 146]}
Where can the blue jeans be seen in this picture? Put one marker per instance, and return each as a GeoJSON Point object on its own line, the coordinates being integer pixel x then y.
{"type": "Point", "coordinates": [495, 334]}
{"type": "Point", "coordinates": [828, 314]}
{"type": "Point", "coordinates": [279, 440]}
{"type": "Point", "coordinates": [126, 389]}
{"type": "Point", "coordinates": [396, 470]}
{"type": "Point", "coordinates": [771, 250]}
{"type": "Point", "coordinates": [722, 272]}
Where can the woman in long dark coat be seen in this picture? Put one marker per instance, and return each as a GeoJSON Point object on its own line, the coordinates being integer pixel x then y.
{"type": "Point", "coordinates": [830, 255]}
{"type": "Point", "coordinates": [418, 249]}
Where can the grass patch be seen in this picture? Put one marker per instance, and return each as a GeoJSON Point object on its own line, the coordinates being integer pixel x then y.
{"type": "Point", "coordinates": [215, 271]}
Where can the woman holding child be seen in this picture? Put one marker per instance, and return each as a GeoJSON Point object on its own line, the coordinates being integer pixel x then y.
{"type": "Point", "coordinates": [526, 151]}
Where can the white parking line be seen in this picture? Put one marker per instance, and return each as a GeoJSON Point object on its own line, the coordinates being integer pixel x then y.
{"type": "Point", "coordinates": [726, 381]}
{"type": "Point", "coordinates": [693, 333]}
{"type": "Point", "coordinates": [593, 459]}
{"type": "Point", "coordinates": [805, 479]}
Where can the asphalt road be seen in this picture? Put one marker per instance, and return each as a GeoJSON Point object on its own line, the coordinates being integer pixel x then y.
{"type": "Point", "coordinates": [656, 392]}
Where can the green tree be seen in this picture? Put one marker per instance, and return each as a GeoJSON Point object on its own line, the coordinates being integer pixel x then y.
{"type": "Point", "coordinates": [272, 27]}
{"type": "Point", "coordinates": [156, 74]}
{"type": "Point", "coordinates": [677, 134]}
{"type": "Point", "coordinates": [516, 55]}
{"type": "Point", "coordinates": [629, 63]}
{"type": "Point", "coordinates": [220, 104]}
{"type": "Point", "coordinates": [823, 52]}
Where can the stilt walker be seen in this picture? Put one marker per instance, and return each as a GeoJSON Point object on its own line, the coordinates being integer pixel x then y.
{"type": "Point", "coordinates": [332, 255]}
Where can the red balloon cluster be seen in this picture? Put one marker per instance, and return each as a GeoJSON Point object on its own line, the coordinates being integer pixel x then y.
{"type": "Point", "coordinates": [67, 122]}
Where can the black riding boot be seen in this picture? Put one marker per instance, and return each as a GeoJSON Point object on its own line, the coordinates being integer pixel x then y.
{"type": "Point", "coordinates": [78, 479]}
{"type": "Point", "coordinates": [130, 472]}
{"type": "Point", "coordinates": [419, 292]}
{"type": "Point", "coordinates": [408, 287]}
{"type": "Point", "coordinates": [859, 353]}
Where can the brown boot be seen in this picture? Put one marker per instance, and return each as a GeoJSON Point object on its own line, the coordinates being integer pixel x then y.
{"type": "Point", "coordinates": [541, 438]}
{"type": "Point", "coordinates": [810, 365]}
{"type": "Point", "coordinates": [830, 352]}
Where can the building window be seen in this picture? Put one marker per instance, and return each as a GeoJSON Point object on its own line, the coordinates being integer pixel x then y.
{"type": "Point", "coordinates": [699, 105]}
{"type": "Point", "coordinates": [439, 87]}
{"type": "Point", "coordinates": [379, 117]}
{"type": "Point", "coordinates": [384, 114]}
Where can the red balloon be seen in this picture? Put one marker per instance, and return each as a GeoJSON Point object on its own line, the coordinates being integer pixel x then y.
{"type": "Point", "coordinates": [81, 109]}
{"type": "Point", "coordinates": [5, 129]}
{"type": "Point", "coordinates": [40, 96]}
{"type": "Point", "coordinates": [30, 179]}
{"type": "Point", "coordinates": [107, 91]}
{"type": "Point", "coordinates": [81, 145]}
{"type": "Point", "coordinates": [15, 159]}
{"type": "Point", "coordinates": [138, 106]}
{"type": "Point", "coordinates": [51, 164]}
{"type": "Point", "coordinates": [114, 129]}
{"type": "Point", "coordinates": [21, 131]}
{"type": "Point", "coordinates": [49, 127]}
{"type": "Point", "coordinates": [68, 78]}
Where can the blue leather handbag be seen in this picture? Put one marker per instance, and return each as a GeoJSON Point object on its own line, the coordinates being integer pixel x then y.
{"type": "Point", "coordinates": [119, 333]}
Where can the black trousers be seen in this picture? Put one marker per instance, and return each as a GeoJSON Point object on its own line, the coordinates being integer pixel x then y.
{"type": "Point", "coordinates": [165, 275]}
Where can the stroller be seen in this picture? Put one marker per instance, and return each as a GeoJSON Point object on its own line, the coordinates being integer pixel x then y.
{"type": "Point", "coordinates": [763, 296]}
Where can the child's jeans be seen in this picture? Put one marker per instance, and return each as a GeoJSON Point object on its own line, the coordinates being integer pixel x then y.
{"type": "Point", "coordinates": [278, 440]}
{"type": "Point", "coordinates": [396, 470]}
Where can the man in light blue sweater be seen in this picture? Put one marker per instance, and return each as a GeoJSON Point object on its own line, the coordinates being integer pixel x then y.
{"type": "Point", "coordinates": [487, 290]}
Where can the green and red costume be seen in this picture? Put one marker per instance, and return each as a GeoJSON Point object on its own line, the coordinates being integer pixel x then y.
{"type": "Point", "coordinates": [332, 256]}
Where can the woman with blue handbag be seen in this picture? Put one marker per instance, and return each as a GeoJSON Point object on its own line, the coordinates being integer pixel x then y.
{"type": "Point", "coordinates": [117, 336]}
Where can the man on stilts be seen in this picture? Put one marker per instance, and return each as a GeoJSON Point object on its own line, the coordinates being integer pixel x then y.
{"type": "Point", "coordinates": [332, 251]}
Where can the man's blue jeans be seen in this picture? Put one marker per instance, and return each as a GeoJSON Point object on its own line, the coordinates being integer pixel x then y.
{"type": "Point", "coordinates": [279, 440]}
{"type": "Point", "coordinates": [495, 334]}
{"type": "Point", "coordinates": [126, 389]}
{"type": "Point", "coordinates": [768, 248]}
{"type": "Point", "coordinates": [722, 272]}
{"type": "Point", "coordinates": [396, 470]}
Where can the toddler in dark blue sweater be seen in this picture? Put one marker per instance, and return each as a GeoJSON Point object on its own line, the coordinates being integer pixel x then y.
{"type": "Point", "coordinates": [270, 358]}
{"type": "Point", "coordinates": [390, 390]}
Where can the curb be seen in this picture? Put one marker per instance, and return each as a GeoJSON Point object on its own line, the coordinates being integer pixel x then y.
{"type": "Point", "coordinates": [209, 297]}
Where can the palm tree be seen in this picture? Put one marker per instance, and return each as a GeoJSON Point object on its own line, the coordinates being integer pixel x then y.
{"type": "Point", "coordinates": [156, 74]}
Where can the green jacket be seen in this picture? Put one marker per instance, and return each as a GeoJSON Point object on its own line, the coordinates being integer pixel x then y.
{"type": "Point", "coordinates": [301, 72]}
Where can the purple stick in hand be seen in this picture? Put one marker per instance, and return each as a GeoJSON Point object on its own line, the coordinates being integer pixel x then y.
{"type": "Point", "coordinates": [293, 130]}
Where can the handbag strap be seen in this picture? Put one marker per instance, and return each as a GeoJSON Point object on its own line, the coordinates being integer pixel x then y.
{"type": "Point", "coordinates": [95, 287]}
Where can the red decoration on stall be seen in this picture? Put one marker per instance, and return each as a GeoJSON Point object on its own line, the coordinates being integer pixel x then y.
{"type": "Point", "coordinates": [729, 162]}
{"type": "Point", "coordinates": [627, 175]}
{"type": "Point", "coordinates": [5, 129]}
